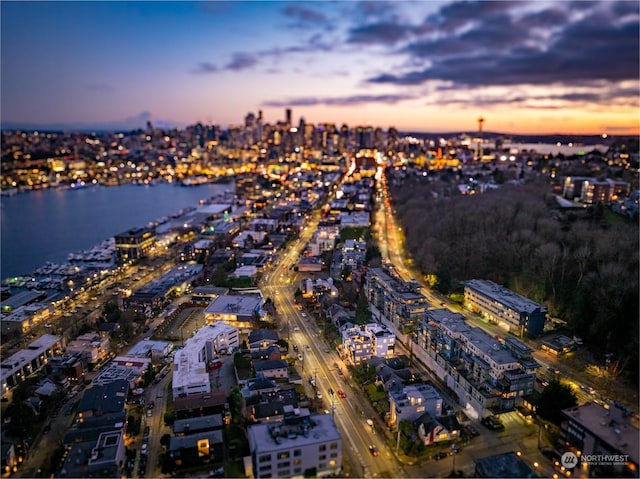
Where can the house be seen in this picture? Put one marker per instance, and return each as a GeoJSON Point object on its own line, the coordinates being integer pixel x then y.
{"type": "Point", "coordinates": [196, 405]}
{"type": "Point", "coordinates": [272, 352]}
{"type": "Point", "coordinates": [435, 429]}
{"type": "Point", "coordinates": [104, 398]}
{"type": "Point", "coordinates": [275, 369]}
{"type": "Point", "coordinates": [197, 425]}
{"type": "Point", "coordinates": [258, 386]}
{"type": "Point", "coordinates": [262, 338]}
{"type": "Point", "coordinates": [205, 448]}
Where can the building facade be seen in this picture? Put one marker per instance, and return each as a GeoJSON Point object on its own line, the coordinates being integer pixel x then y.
{"type": "Point", "coordinates": [508, 309]}
{"type": "Point", "coordinates": [399, 301]}
{"type": "Point", "coordinates": [134, 243]}
{"type": "Point", "coordinates": [302, 445]}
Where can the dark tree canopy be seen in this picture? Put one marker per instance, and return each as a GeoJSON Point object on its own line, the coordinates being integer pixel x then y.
{"type": "Point", "coordinates": [553, 399]}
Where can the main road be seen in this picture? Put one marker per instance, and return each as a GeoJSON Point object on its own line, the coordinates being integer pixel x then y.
{"type": "Point", "coordinates": [328, 369]}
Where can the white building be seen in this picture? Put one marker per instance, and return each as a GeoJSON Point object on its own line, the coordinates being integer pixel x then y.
{"type": "Point", "coordinates": [17, 367]}
{"type": "Point", "coordinates": [411, 402]}
{"type": "Point", "coordinates": [383, 341]}
{"type": "Point", "coordinates": [302, 445]}
{"type": "Point", "coordinates": [149, 348]}
{"type": "Point", "coordinates": [190, 374]}
{"type": "Point", "coordinates": [356, 345]}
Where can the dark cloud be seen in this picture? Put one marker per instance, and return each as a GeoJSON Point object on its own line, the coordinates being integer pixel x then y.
{"type": "Point", "coordinates": [206, 67]}
{"type": "Point", "coordinates": [622, 9]}
{"type": "Point", "coordinates": [385, 33]}
{"type": "Point", "coordinates": [241, 61]}
{"type": "Point", "coordinates": [609, 95]}
{"type": "Point", "coordinates": [457, 14]}
{"type": "Point", "coordinates": [544, 18]}
{"type": "Point", "coordinates": [341, 101]}
{"type": "Point", "coordinates": [303, 14]}
{"type": "Point", "coordinates": [498, 49]}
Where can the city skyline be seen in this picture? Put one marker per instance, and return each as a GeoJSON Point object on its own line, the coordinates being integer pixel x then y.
{"type": "Point", "coordinates": [528, 68]}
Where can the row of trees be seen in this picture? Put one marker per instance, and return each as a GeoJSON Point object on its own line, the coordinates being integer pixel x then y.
{"type": "Point", "coordinates": [582, 267]}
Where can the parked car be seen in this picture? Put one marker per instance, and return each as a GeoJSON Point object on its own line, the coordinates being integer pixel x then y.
{"type": "Point", "coordinates": [492, 423]}
{"type": "Point", "coordinates": [439, 455]}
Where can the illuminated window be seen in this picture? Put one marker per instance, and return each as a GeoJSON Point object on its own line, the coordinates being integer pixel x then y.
{"type": "Point", "coordinates": [203, 447]}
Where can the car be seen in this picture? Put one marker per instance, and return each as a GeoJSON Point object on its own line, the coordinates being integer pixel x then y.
{"type": "Point", "coordinates": [152, 404]}
{"type": "Point", "coordinates": [374, 450]}
{"type": "Point", "coordinates": [439, 455]}
{"type": "Point", "coordinates": [304, 315]}
{"type": "Point", "coordinates": [341, 394]}
{"type": "Point", "coordinates": [295, 348]}
{"type": "Point", "coordinates": [149, 412]}
{"type": "Point", "coordinates": [300, 357]}
{"type": "Point", "coordinates": [144, 449]}
{"type": "Point", "coordinates": [146, 431]}
{"type": "Point", "coordinates": [319, 395]}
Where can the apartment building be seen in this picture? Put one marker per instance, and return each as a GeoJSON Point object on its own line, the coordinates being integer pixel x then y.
{"type": "Point", "coordinates": [353, 253]}
{"type": "Point", "coordinates": [591, 190]}
{"type": "Point", "coordinates": [383, 341]}
{"type": "Point", "coordinates": [484, 374]}
{"type": "Point", "coordinates": [400, 302]}
{"type": "Point", "coordinates": [190, 375]}
{"type": "Point", "coordinates": [17, 367]}
{"type": "Point", "coordinates": [356, 345]}
{"type": "Point", "coordinates": [301, 445]}
{"type": "Point", "coordinates": [508, 309]}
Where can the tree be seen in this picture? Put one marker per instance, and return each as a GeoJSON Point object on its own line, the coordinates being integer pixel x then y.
{"type": "Point", "coordinates": [372, 252]}
{"type": "Point", "coordinates": [363, 313]}
{"type": "Point", "coordinates": [235, 403]}
{"type": "Point", "coordinates": [165, 440]}
{"type": "Point", "coordinates": [553, 399]}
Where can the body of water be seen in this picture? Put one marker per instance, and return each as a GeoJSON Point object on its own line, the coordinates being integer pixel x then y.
{"type": "Point", "coordinates": [47, 225]}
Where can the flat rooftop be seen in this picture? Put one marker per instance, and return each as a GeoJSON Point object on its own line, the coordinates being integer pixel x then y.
{"type": "Point", "coordinates": [301, 430]}
{"type": "Point", "coordinates": [240, 305]}
{"type": "Point", "coordinates": [620, 433]}
{"type": "Point", "coordinates": [504, 296]}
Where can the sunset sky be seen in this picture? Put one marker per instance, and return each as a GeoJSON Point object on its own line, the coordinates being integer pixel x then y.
{"type": "Point", "coordinates": [424, 66]}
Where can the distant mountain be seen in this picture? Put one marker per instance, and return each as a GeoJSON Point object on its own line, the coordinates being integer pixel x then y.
{"type": "Point", "coordinates": [127, 124]}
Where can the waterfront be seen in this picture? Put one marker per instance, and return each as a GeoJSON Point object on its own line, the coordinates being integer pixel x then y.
{"type": "Point", "coordinates": [47, 225]}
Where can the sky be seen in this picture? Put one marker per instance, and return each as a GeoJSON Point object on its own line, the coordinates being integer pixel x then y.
{"type": "Point", "coordinates": [563, 67]}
